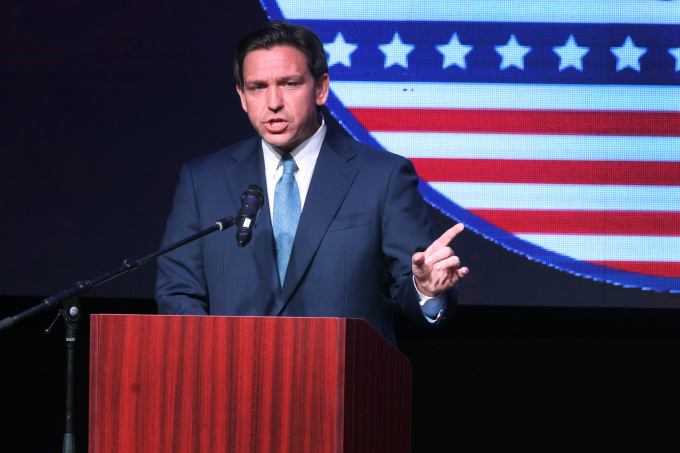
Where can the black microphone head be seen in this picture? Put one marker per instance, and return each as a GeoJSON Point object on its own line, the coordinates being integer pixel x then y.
{"type": "Point", "coordinates": [251, 203]}
{"type": "Point", "coordinates": [253, 190]}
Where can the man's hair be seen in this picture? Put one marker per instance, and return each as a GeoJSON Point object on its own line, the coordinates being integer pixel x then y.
{"type": "Point", "coordinates": [280, 33]}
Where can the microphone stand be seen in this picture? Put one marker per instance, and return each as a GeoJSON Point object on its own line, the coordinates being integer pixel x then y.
{"type": "Point", "coordinates": [70, 311]}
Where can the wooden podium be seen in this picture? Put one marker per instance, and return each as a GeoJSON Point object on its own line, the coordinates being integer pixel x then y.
{"type": "Point", "coordinates": [245, 384]}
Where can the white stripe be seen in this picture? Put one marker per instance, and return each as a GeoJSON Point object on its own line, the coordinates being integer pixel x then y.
{"type": "Point", "coordinates": [506, 96]}
{"type": "Point", "coordinates": [566, 197]}
{"type": "Point", "coordinates": [530, 147]}
{"type": "Point", "coordinates": [591, 11]}
{"type": "Point", "coordinates": [609, 248]}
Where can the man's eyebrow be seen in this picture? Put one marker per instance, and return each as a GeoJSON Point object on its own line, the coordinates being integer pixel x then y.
{"type": "Point", "coordinates": [253, 82]}
{"type": "Point", "coordinates": [278, 79]}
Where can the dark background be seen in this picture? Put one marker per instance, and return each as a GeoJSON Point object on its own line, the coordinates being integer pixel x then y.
{"type": "Point", "coordinates": [101, 102]}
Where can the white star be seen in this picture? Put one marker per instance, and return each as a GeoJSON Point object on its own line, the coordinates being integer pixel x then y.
{"type": "Point", "coordinates": [339, 51]}
{"type": "Point", "coordinates": [676, 53]}
{"type": "Point", "coordinates": [396, 52]}
{"type": "Point", "coordinates": [513, 53]}
{"type": "Point", "coordinates": [454, 52]}
{"type": "Point", "coordinates": [571, 54]}
{"type": "Point", "coordinates": [628, 55]}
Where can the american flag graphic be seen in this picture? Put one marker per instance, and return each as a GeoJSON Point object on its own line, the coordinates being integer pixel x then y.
{"type": "Point", "coordinates": [549, 127]}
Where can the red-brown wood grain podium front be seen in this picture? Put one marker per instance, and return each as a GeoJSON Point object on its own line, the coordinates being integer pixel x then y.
{"type": "Point", "coordinates": [245, 384]}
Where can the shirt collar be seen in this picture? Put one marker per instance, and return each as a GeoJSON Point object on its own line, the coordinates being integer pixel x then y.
{"type": "Point", "coordinates": [305, 154]}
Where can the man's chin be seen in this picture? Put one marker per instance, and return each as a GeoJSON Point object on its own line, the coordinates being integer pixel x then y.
{"type": "Point", "coordinates": [282, 143]}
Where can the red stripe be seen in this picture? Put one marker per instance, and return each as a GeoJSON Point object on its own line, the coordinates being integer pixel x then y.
{"type": "Point", "coordinates": [670, 270]}
{"type": "Point", "coordinates": [549, 171]}
{"type": "Point", "coordinates": [519, 121]}
{"type": "Point", "coordinates": [583, 222]}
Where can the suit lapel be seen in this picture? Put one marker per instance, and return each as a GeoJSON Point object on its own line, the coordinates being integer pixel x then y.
{"type": "Point", "coordinates": [333, 176]}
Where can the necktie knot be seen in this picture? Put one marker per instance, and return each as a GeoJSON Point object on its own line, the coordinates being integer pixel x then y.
{"type": "Point", "coordinates": [289, 164]}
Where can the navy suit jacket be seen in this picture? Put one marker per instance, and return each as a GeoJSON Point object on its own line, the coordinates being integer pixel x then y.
{"type": "Point", "coordinates": [362, 221]}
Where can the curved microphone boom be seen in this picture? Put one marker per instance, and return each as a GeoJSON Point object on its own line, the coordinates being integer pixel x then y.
{"type": "Point", "coordinates": [251, 203]}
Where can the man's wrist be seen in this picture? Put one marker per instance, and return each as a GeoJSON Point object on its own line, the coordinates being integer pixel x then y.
{"type": "Point", "coordinates": [423, 292]}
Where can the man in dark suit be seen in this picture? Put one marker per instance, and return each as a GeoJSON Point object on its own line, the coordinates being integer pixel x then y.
{"type": "Point", "coordinates": [343, 231]}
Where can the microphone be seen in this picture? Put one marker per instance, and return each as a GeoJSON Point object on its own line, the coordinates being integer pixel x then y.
{"type": "Point", "coordinates": [251, 203]}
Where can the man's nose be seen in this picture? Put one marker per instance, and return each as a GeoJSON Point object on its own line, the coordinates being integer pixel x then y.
{"type": "Point", "coordinates": [274, 98]}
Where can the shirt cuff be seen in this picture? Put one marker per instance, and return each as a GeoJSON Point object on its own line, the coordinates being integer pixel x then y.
{"type": "Point", "coordinates": [432, 307]}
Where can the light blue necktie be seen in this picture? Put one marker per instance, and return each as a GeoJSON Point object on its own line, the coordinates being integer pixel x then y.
{"type": "Point", "coordinates": [287, 208]}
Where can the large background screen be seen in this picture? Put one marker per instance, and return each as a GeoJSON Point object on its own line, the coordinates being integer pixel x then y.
{"type": "Point", "coordinates": [549, 128]}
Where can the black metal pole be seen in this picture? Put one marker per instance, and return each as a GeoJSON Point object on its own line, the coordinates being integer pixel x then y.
{"type": "Point", "coordinates": [71, 313]}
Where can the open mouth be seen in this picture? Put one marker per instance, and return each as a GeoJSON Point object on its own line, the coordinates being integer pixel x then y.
{"type": "Point", "coordinates": [276, 125]}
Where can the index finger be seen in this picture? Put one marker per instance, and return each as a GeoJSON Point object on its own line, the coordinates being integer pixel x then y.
{"type": "Point", "coordinates": [451, 233]}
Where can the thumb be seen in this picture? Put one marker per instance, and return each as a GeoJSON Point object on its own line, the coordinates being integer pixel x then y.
{"type": "Point", "coordinates": [418, 259]}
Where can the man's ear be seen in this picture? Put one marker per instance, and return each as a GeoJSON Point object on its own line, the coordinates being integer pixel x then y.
{"type": "Point", "coordinates": [244, 106]}
{"type": "Point", "coordinates": [322, 89]}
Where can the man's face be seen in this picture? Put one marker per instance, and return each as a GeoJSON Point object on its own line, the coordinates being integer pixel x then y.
{"type": "Point", "coordinates": [280, 95]}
